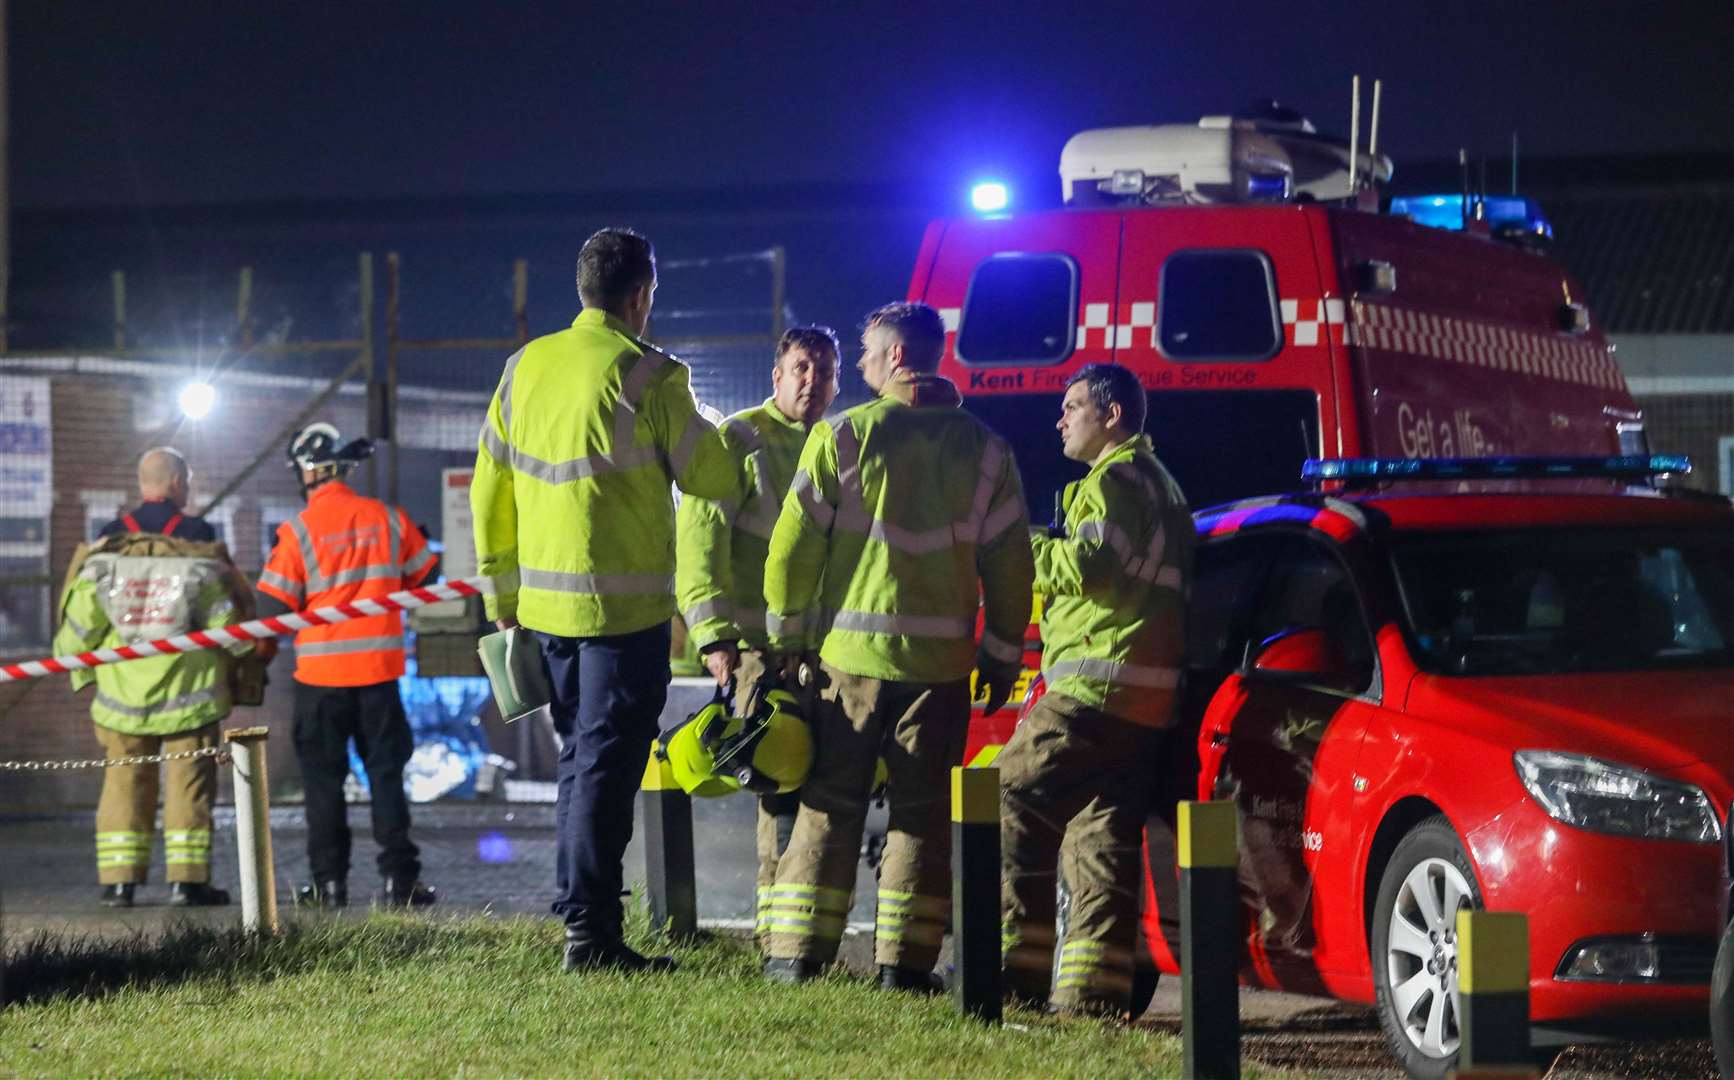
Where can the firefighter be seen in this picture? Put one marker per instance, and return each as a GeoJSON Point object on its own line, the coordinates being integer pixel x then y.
{"type": "Point", "coordinates": [155, 572]}
{"type": "Point", "coordinates": [722, 546]}
{"type": "Point", "coordinates": [346, 547]}
{"type": "Point", "coordinates": [1076, 777]}
{"type": "Point", "coordinates": [575, 524]}
{"type": "Point", "coordinates": [898, 507]}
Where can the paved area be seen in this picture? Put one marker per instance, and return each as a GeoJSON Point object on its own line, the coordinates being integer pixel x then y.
{"type": "Point", "coordinates": [498, 857]}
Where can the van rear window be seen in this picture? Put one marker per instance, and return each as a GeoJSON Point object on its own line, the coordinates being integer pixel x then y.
{"type": "Point", "coordinates": [1218, 305]}
{"type": "Point", "coordinates": [1021, 309]}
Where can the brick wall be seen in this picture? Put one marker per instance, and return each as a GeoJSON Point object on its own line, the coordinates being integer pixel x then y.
{"type": "Point", "coordinates": [100, 424]}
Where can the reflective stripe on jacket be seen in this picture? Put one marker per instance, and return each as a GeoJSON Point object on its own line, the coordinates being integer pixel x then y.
{"type": "Point", "coordinates": [129, 588]}
{"type": "Point", "coordinates": [1113, 625]}
{"type": "Point", "coordinates": [898, 507]}
{"type": "Point", "coordinates": [573, 516]}
{"type": "Point", "coordinates": [346, 547]}
{"type": "Point", "coordinates": [721, 545]}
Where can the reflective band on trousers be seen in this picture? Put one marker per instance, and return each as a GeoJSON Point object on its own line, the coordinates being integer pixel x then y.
{"type": "Point", "coordinates": [595, 584]}
{"type": "Point", "coordinates": [1001, 650]}
{"type": "Point", "coordinates": [348, 645]}
{"type": "Point", "coordinates": [185, 701]}
{"type": "Point", "coordinates": [933, 626]}
{"type": "Point", "coordinates": [1115, 672]}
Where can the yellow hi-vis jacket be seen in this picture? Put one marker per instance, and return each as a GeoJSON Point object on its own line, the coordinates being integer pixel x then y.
{"type": "Point", "coordinates": [1113, 627]}
{"type": "Point", "coordinates": [574, 519]}
{"type": "Point", "coordinates": [722, 544]}
{"type": "Point", "coordinates": [898, 508]}
{"type": "Point", "coordinates": [136, 587]}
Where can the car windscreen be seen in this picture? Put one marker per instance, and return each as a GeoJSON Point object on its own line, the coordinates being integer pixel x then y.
{"type": "Point", "coordinates": [1555, 601]}
{"type": "Point", "coordinates": [1220, 445]}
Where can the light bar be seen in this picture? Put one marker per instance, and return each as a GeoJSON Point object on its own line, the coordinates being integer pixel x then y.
{"type": "Point", "coordinates": [1367, 470]}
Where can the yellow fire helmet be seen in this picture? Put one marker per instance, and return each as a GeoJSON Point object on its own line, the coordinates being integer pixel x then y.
{"type": "Point", "coordinates": [714, 753]}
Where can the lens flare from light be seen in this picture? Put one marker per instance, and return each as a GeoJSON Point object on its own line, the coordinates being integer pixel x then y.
{"type": "Point", "coordinates": [989, 196]}
{"type": "Point", "coordinates": [197, 398]}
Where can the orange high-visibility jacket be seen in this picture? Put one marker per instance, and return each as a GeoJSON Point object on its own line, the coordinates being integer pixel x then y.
{"type": "Point", "coordinates": [346, 547]}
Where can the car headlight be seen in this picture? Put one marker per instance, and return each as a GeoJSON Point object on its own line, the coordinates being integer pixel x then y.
{"type": "Point", "coordinates": [1605, 796]}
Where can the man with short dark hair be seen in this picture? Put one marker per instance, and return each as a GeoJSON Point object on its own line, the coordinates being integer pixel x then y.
{"type": "Point", "coordinates": [723, 545]}
{"type": "Point", "coordinates": [906, 517]}
{"type": "Point", "coordinates": [1081, 765]}
{"type": "Point", "coordinates": [575, 525]}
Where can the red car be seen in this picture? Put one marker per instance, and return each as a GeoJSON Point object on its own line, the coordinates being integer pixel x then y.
{"type": "Point", "coordinates": [1425, 698]}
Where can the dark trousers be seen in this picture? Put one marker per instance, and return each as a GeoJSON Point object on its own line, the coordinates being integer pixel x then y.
{"type": "Point", "coordinates": [326, 718]}
{"type": "Point", "coordinates": [608, 694]}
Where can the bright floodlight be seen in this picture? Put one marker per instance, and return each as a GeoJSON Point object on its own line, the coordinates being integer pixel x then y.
{"type": "Point", "coordinates": [989, 196]}
{"type": "Point", "coordinates": [197, 399]}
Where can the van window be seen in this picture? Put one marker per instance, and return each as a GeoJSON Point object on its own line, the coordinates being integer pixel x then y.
{"type": "Point", "coordinates": [1218, 305]}
{"type": "Point", "coordinates": [1021, 309]}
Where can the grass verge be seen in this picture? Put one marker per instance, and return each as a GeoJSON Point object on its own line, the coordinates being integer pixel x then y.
{"type": "Point", "coordinates": [408, 996]}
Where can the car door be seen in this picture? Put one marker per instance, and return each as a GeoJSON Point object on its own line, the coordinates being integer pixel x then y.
{"type": "Point", "coordinates": [1280, 737]}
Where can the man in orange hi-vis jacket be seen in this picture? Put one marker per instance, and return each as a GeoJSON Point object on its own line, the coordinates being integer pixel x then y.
{"type": "Point", "coordinates": [347, 547]}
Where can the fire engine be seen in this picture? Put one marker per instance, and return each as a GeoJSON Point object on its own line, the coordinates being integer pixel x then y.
{"type": "Point", "coordinates": [1243, 269]}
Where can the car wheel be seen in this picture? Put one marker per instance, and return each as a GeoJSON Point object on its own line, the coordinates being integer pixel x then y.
{"type": "Point", "coordinates": [1722, 1002]}
{"type": "Point", "coordinates": [1427, 882]}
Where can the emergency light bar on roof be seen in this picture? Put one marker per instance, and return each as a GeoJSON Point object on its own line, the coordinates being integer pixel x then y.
{"type": "Point", "coordinates": [1362, 471]}
{"type": "Point", "coordinates": [1510, 216]}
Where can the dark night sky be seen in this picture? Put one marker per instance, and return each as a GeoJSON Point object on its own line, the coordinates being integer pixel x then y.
{"type": "Point", "coordinates": [181, 102]}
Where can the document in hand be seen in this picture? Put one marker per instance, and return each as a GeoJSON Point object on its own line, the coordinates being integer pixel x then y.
{"type": "Point", "coordinates": [516, 671]}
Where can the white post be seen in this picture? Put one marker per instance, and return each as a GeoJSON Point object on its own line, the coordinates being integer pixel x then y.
{"type": "Point", "coordinates": [253, 829]}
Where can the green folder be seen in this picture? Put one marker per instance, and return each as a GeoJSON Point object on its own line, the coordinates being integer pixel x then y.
{"type": "Point", "coordinates": [517, 672]}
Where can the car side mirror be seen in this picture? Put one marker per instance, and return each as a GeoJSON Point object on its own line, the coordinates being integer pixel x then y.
{"type": "Point", "coordinates": [1303, 655]}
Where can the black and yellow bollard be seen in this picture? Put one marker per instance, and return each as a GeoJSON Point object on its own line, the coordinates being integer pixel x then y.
{"type": "Point", "coordinates": [1209, 940]}
{"type": "Point", "coordinates": [1493, 991]}
{"type": "Point", "coordinates": [668, 865]}
{"type": "Point", "coordinates": [975, 933]}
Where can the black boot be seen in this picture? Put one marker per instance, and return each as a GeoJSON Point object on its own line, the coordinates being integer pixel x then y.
{"type": "Point", "coordinates": [324, 894]}
{"type": "Point", "coordinates": [408, 893]}
{"type": "Point", "coordinates": [196, 894]}
{"type": "Point", "coordinates": [909, 980]}
{"type": "Point", "coordinates": [585, 952]}
{"type": "Point", "coordinates": [118, 895]}
{"type": "Point", "coordinates": [790, 970]}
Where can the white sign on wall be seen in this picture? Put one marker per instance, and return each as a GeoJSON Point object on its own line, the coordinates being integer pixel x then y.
{"type": "Point", "coordinates": [26, 448]}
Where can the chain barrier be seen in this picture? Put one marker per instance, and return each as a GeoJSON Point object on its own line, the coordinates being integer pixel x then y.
{"type": "Point", "coordinates": [218, 752]}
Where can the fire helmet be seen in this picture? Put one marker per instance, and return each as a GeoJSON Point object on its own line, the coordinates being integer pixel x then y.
{"type": "Point", "coordinates": [714, 753]}
{"type": "Point", "coordinates": [319, 445]}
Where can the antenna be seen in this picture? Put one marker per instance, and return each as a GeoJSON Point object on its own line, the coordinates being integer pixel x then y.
{"type": "Point", "coordinates": [1514, 163]}
{"type": "Point", "coordinates": [1354, 129]}
{"type": "Point", "coordinates": [1373, 135]}
{"type": "Point", "coordinates": [1463, 173]}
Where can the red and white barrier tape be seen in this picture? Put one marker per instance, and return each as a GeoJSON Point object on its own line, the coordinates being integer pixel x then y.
{"type": "Point", "coordinates": [253, 630]}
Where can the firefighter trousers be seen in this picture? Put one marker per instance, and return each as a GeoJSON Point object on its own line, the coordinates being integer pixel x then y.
{"type": "Point", "coordinates": [919, 730]}
{"type": "Point", "coordinates": [776, 813]}
{"type": "Point", "coordinates": [127, 811]}
{"type": "Point", "coordinates": [1076, 785]}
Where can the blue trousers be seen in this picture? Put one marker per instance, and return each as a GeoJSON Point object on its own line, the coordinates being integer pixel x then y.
{"type": "Point", "coordinates": [608, 694]}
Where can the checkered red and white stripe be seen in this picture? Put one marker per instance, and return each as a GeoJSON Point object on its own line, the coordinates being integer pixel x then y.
{"type": "Point", "coordinates": [254, 630]}
{"type": "Point", "coordinates": [1310, 323]}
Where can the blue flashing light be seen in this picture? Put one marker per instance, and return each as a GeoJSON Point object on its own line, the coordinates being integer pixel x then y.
{"type": "Point", "coordinates": [1504, 213]}
{"type": "Point", "coordinates": [1367, 470]}
{"type": "Point", "coordinates": [989, 197]}
{"type": "Point", "coordinates": [494, 848]}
